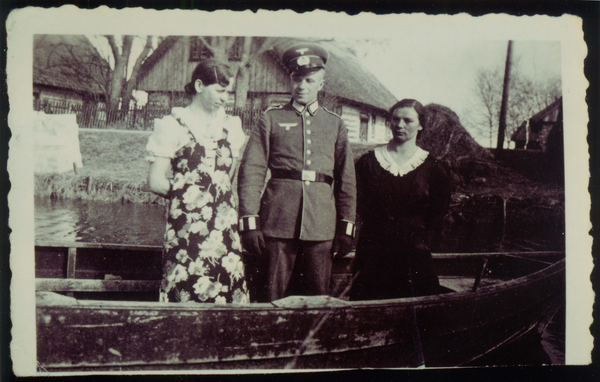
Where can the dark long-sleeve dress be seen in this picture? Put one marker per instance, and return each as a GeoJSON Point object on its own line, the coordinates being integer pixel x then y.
{"type": "Point", "coordinates": [401, 216]}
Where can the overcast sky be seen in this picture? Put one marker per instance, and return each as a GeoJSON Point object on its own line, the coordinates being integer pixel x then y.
{"type": "Point", "coordinates": [443, 72]}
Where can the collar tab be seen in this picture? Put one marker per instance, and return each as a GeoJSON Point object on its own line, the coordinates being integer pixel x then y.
{"type": "Point", "coordinates": [312, 108]}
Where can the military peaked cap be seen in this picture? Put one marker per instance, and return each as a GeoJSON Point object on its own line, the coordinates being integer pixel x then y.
{"type": "Point", "coordinates": [305, 58]}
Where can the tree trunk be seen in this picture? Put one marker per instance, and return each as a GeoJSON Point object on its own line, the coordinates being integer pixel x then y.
{"type": "Point", "coordinates": [118, 76]}
{"type": "Point", "coordinates": [242, 84]}
{"type": "Point", "coordinates": [131, 83]}
{"type": "Point", "coordinates": [242, 79]}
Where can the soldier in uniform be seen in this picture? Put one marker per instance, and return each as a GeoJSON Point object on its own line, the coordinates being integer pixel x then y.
{"type": "Point", "coordinates": [307, 210]}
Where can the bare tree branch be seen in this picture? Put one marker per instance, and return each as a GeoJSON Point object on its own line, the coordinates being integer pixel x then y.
{"type": "Point", "coordinates": [113, 45]}
{"type": "Point", "coordinates": [266, 45]}
{"type": "Point", "coordinates": [206, 44]}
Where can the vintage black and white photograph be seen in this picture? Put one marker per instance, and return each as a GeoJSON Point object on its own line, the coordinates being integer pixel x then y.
{"type": "Point", "coordinates": [203, 200]}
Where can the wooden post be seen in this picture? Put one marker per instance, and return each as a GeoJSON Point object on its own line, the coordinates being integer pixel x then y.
{"type": "Point", "coordinates": [71, 260]}
{"type": "Point", "coordinates": [503, 107]}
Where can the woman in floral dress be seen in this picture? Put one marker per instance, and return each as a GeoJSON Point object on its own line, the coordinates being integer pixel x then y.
{"type": "Point", "coordinates": [200, 144]}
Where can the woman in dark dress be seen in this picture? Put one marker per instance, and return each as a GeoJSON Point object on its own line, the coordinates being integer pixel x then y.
{"type": "Point", "coordinates": [403, 196]}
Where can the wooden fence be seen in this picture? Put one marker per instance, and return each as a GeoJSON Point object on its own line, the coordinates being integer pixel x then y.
{"type": "Point", "coordinates": [136, 118]}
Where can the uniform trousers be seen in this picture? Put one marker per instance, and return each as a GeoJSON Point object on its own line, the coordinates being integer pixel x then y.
{"type": "Point", "coordinates": [292, 266]}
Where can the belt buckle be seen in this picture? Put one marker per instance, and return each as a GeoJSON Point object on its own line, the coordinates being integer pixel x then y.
{"type": "Point", "coordinates": [309, 175]}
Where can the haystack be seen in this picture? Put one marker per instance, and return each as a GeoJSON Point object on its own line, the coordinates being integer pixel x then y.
{"type": "Point", "coordinates": [445, 138]}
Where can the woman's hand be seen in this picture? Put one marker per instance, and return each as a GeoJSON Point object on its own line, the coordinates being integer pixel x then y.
{"type": "Point", "coordinates": [157, 176]}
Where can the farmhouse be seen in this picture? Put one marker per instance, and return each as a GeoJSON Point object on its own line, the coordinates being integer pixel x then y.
{"type": "Point", "coordinates": [67, 71]}
{"type": "Point", "coordinates": [543, 131]}
{"type": "Point", "coordinates": [350, 90]}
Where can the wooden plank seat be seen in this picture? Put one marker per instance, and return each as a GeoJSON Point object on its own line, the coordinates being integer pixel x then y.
{"type": "Point", "coordinates": [86, 285]}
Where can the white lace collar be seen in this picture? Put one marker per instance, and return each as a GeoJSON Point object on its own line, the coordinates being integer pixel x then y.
{"type": "Point", "coordinates": [209, 129]}
{"type": "Point", "coordinates": [385, 160]}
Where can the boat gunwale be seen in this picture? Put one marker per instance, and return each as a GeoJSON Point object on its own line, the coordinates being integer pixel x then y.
{"type": "Point", "coordinates": [483, 291]}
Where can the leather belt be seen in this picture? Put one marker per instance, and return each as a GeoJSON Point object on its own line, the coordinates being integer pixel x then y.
{"type": "Point", "coordinates": [312, 176]}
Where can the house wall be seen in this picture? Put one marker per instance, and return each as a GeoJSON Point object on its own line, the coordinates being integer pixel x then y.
{"type": "Point", "coordinates": [48, 94]}
{"type": "Point", "coordinates": [377, 129]}
{"type": "Point", "coordinates": [351, 117]}
{"type": "Point", "coordinates": [268, 76]}
{"type": "Point", "coordinates": [172, 71]}
{"type": "Point", "coordinates": [544, 133]}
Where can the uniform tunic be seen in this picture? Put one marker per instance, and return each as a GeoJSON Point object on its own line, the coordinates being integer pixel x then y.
{"type": "Point", "coordinates": [402, 209]}
{"type": "Point", "coordinates": [291, 137]}
{"type": "Point", "coordinates": [202, 252]}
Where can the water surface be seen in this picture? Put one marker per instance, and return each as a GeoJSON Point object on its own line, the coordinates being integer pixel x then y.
{"type": "Point", "coordinates": [98, 222]}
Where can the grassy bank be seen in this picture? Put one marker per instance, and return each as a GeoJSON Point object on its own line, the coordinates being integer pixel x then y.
{"type": "Point", "coordinates": [115, 169]}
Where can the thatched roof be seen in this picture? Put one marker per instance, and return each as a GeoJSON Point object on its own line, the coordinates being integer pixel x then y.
{"type": "Point", "coordinates": [68, 62]}
{"type": "Point", "coordinates": [445, 138]}
{"type": "Point", "coordinates": [346, 77]}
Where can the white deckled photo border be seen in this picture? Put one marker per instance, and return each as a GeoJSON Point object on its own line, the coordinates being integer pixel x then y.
{"type": "Point", "coordinates": [23, 24]}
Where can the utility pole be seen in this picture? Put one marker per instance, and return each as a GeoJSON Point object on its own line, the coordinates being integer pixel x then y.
{"type": "Point", "coordinates": [502, 123]}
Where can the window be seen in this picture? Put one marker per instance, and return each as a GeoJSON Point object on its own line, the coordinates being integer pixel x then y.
{"type": "Point", "coordinates": [373, 125]}
{"type": "Point", "coordinates": [198, 51]}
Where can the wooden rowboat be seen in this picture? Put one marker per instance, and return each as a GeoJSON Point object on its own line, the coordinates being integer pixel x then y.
{"type": "Point", "coordinates": [488, 300]}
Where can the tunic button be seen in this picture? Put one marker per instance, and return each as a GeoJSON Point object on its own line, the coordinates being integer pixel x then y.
{"type": "Point", "coordinates": [308, 152]}
{"type": "Point", "coordinates": [308, 132]}
{"type": "Point", "coordinates": [308, 162]}
{"type": "Point", "coordinates": [307, 182]}
{"type": "Point", "coordinates": [307, 114]}
{"type": "Point", "coordinates": [308, 141]}
{"type": "Point", "coordinates": [308, 122]}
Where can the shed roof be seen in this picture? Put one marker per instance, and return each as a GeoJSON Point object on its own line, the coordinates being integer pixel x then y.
{"type": "Point", "coordinates": [546, 111]}
{"type": "Point", "coordinates": [158, 53]}
{"type": "Point", "coordinates": [520, 133]}
{"type": "Point", "coordinates": [68, 62]}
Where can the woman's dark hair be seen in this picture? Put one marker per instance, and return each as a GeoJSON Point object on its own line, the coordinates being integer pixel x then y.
{"type": "Point", "coordinates": [209, 72]}
{"type": "Point", "coordinates": [418, 106]}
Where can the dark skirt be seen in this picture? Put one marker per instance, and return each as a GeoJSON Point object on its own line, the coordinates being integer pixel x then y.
{"type": "Point", "coordinates": [385, 273]}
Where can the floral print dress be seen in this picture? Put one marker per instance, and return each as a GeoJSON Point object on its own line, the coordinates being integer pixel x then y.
{"type": "Point", "coordinates": [202, 252]}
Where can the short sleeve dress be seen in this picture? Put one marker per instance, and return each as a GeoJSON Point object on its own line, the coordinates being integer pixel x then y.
{"type": "Point", "coordinates": [202, 252]}
{"type": "Point", "coordinates": [402, 210]}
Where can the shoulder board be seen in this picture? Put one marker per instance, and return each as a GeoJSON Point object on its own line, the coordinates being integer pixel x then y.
{"type": "Point", "coordinates": [274, 107]}
{"type": "Point", "coordinates": [331, 112]}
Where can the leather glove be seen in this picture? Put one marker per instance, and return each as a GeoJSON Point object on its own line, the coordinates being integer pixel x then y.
{"type": "Point", "coordinates": [342, 244]}
{"type": "Point", "coordinates": [253, 241]}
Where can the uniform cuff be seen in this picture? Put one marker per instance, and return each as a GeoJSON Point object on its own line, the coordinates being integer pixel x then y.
{"type": "Point", "coordinates": [346, 227]}
{"type": "Point", "coordinates": [249, 223]}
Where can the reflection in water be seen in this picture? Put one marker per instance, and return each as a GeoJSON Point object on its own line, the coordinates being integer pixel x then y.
{"type": "Point", "coordinates": [98, 222]}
